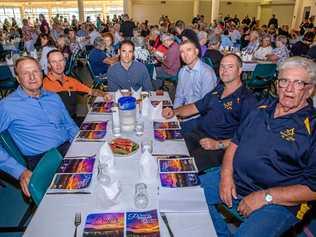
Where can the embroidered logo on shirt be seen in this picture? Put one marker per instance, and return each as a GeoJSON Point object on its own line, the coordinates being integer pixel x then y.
{"type": "Point", "coordinates": [288, 134]}
{"type": "Point", "coordinates": [238, 100]}
{"type": "Point", "coordinates": [228, 105]}
{"type": "Point", "coordinates": [303, 209]}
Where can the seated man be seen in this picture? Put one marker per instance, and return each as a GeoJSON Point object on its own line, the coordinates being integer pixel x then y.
{"type": "Point", "coordinates": [128, 72]}
{"type": "Point", "coordinates": [67, 87]}
{"type": "Point", "coordinates": [196, 79]}
{"type": "Point", "coordinates": [221, 111]}
{"type": "Point", "coordinates": [36, 119]}
{"type": "Point", "coordinates": [98, 57]}
{"type": "Point", "coordinates": [269, 168]}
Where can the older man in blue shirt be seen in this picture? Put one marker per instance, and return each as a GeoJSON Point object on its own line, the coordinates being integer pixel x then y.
{"type": "Point", "coordinates": [128, 73]}
{"type": "Point", "coordinates": [268, 171]}
{"type": "Point", "coordinates": [196, 79]}
{"type": "Point", "coordinates": [36, 119]}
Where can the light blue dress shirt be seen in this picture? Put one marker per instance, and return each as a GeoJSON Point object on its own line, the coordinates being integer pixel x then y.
{"type": "Point", "coordinates": [194, 84]}
{"type": "Point", "coordinates": [36, 125]}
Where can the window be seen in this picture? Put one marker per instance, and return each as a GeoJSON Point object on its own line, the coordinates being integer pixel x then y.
{"type": "Point", "coordinates": [9, 13]}
{"type": "Point", "coordinates": [33, 13]}
{"type": "Point", "coordinates": [93, 12]}
{"type": "Point", "coordinates": [66, 12]}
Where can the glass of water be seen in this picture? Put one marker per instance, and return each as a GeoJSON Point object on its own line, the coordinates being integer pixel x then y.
{"type": "Point", "coordinates": [116, 130]}
{"type": "Point", "coordinates": [141, 197]}
{"type": "Point", "coordinates": [147, 145]}
{"type": "Point", "coordinates": [139, 128]}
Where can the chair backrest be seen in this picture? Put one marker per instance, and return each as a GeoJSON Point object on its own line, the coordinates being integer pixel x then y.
{"type": "Point", "coordinates": [43, 174]}
{"type": "Point", "coordinates": [5, 73]}
{"type": "Point", "coordinates": [264, 71]}
{"type": "Point", "coordinates": [9, 145]}
{"type": "Point", "coordinates": [70, 64]}
{"type": "Point", "coordinates": [93, 76]}
{"type": "Point", "coordinates": [208, 61]}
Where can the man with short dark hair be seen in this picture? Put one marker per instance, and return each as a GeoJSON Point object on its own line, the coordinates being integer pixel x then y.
{"type": "Point", "coordinates": [128, 73]}
{"type": "Point", "coordinates": [66, 86]}
{"type": "Point", "coordinates": [36, 119]}
{"type": "Point", "coordinates": [195, 80]}
{"type": "Point", "coordinates": [221, 112]}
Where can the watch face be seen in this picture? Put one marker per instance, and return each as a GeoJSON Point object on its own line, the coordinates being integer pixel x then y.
{"type": "Point", "coordinates": [268, 198]}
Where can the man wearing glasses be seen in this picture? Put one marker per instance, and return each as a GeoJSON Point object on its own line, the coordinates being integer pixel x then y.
{"type": "Point", "coordinates": [268, 171]}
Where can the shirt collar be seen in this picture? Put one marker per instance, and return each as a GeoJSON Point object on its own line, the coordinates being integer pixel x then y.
{"type": "Point", "coordinates": [51, 77]}
{"type": "Point", "coordinates": [196, 67]}
{"type": "Point", "coordinates": [133, 62]}
{"type": "Point", "coordinates": [25, 96]}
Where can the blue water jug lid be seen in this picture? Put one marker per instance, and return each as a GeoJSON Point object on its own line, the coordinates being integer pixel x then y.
{"type": "Point", "coordinates": [127, 103]}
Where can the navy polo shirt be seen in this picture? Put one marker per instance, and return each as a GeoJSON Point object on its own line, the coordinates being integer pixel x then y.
{"type": "Point", "coordinates": [96, 57]}
{"type": "Point", "coordinates": [136, 76]}
{"type": "Point", "coordinates": [221, 117]}
{"type": "Point", "coordinates": [275, 152]}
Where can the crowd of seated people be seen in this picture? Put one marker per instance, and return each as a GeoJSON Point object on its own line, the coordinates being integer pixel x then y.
{"type": "Point", "coordinates": [262, 154]}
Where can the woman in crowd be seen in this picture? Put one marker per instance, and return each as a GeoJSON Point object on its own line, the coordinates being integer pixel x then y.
{"type": "Point", "coordinates": [265, 48]}
{"type": "Point", "coordinates": [63, 46]}
{"type": "Point", "coordinates": [47, 44]}
{"type": "Point", "coordinates": [280, 53]}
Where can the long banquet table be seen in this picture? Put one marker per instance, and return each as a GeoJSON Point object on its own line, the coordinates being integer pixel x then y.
{"type": "Point", "coordinates": [55, 214]}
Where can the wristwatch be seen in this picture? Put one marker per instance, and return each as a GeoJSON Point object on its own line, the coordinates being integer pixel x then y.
{"type": "Point", "coordinates": [268, 198]}
{"type": "Point", "coordinates": [221, 145]}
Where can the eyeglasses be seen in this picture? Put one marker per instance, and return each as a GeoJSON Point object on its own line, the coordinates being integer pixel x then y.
{"type": "Point", "coordinates": [298, 84]}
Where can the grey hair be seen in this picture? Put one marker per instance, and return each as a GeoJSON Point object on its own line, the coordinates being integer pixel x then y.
{"type": "Point", "coordinates": [214, 39]}
{"type": "Point", "coordinates": [166, 36]}
{"type": "Point", "coordinates": [202, 35]}
{"type": "Point", "coordinates": [300, 62]}
{"type": "Point", "coordinates": [139, 41]}
{"type": "Point", "coordinates": [99, 42]}
{"type": "Point", "coordinates": [282, 38]}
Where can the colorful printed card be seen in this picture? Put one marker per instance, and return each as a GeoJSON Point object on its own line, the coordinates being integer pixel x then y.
{"type": "Point", "coordinates": [179, 180]}
{"type": "Point", "coordinates": [177, 165]}
{"type": "Point", "coordinates": [94, 126]}
{"type": "Point", "coordinates": [163, 135]}
{"type": "Point", "coordinates": [166, 125]}
{"type": "Point", "coordinates": [104, 224]}
{"type": "Point", "coordinates": [170, 156]}
{"type": "Point", "coordinates": [80, 165]}
{"type": "Point", "coordinates": [165, 103]}
{"type": "Point", "coordinates": [71, 182]}
{"type": "Point", "coordinates": [142, 224]}
{"type": "Point", "coordinates": [102, 107]}
{"type": "Point", "coordinates": [91, 135]}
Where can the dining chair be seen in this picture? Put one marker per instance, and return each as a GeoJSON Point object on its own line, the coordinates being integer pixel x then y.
{"type": "Point", "coordinates": [43, 174]}
{"type": "Point", "coordinates": [7, 81]}
{"type": "Point", "coordinates": [263, 78]}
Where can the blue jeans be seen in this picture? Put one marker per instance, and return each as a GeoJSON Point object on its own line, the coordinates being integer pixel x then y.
{"type": "Point", "coordinates": [270, 220]}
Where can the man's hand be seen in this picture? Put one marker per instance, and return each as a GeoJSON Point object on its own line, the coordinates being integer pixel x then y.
{"type": "Point", "coordinates": [168, 113]}
{"type": "Point", "coordinates": [24, 182]}
{"type": "Point", "coordinates": [227, 188]}
{"type": "Point", "coordinates": [251, 203]}
{"type": "Point", "coordinates": [106, 96]}
{"type": "Point", "coordinates": [209, 144]}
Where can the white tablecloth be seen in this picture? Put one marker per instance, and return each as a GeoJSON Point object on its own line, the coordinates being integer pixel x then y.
{"type": "Point", "coordinates": [55, 214]}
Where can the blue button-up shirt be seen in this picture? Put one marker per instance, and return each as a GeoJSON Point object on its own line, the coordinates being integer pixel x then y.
{"type": "Point", "coordinates": [194, 84]}
{"type": "Point", "coordinates": [136, 76]}
{"type": "Point", "coordinates": [36, 124]}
